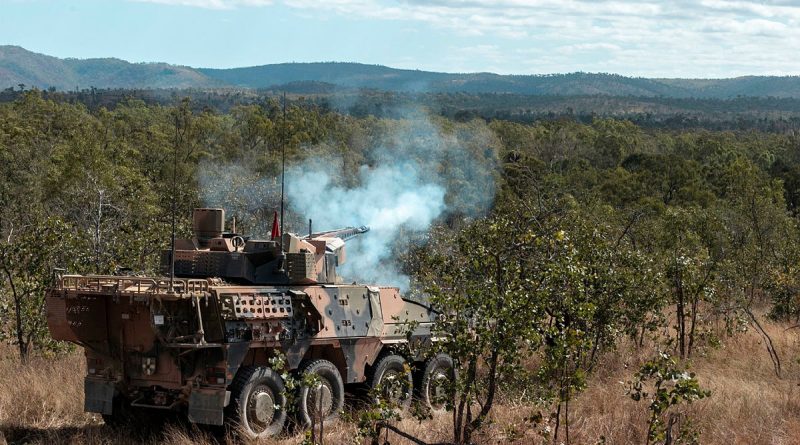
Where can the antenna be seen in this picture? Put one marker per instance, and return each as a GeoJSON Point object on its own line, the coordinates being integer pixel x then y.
{"type": "Point", "coordinates": [174, 181]}
{"type": "Point", "coordinates": [283, 165]}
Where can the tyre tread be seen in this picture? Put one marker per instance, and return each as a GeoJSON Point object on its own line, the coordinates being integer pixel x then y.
{"type": "Point", "coordinates": [237, 386]}
{"type": "Point", "coordinates": [303, 368]}
{"type": "Point", "coordinates": [377, 370]}
{"type": "Point", "coordinates": [427, 368]}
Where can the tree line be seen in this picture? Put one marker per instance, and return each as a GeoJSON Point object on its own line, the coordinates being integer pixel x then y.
{"type": "Point", "coordinates": [600, 232]}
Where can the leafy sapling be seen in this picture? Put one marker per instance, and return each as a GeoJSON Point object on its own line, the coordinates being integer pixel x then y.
{"type": "Point", "coordinates": [666, 385]}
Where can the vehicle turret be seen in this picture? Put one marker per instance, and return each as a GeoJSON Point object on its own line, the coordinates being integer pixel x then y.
{"type": "Point", "coordinates": [290, 259]}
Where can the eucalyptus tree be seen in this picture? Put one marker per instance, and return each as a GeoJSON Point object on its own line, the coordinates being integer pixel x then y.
{"type": "Point", "coordinates": [527, 295]}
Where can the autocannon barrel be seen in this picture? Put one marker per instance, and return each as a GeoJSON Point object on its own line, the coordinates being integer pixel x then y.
{"type": "Point", "coordinates": [343, 234]}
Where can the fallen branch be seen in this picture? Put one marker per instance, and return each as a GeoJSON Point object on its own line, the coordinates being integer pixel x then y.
{"type": "Point", "coordinates": [407, 436]}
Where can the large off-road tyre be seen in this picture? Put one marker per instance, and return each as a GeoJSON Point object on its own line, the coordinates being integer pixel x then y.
{"type": "Point", "coordinates": [392, 381]}
{"type": "Point", "coordinates": [134, 421]}
{"type": "Point", "coordinates": [327, 398]}
{"type": "Point", "coordinates": [436, 385]}
{"type": "Point", "coordinates": [258, 402]}
{"type": "Point", "coordinates": [120, 413]}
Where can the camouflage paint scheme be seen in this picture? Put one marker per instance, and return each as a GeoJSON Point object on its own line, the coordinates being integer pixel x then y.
{"type": "Point", "coordinates": [177, 344]}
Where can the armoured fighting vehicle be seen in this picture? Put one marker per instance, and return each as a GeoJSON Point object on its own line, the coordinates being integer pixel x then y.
{"type": "Point", "coordinates": [202, 340]}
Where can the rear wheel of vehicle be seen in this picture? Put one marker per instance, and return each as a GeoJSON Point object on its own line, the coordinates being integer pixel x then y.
{"type": "Point", "coordinates": [436, 386]}
{"type": "Point", "coordinates": [137, 421]}
{"type": "Point", "coordinates": [117, 418]}
{"type": "Point", "coordinates": [325, 400]}
{"type": "Point", "coordinates": [391, 378]}
{"type": "Point", "coordinates": [258, 402]}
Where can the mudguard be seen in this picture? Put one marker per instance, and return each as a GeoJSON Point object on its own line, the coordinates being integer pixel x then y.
{"type": "Point", "coordinates": [99, 396]}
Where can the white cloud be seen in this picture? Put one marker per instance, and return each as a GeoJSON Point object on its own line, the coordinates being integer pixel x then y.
{"type": "Point", "coordinates": [641, 37]}
{"type": "Point", "coordinates": [767, 9]}
{"type": "Point", "coordinates": [751, 27]}
{"type": "Point", "coordinates": [211, 4]}
{"type": "Point", "coordinates": [598, 46]}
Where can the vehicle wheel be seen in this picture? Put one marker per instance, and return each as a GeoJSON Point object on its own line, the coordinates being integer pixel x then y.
{"type": "Point", "coordinates": [134, 421]}
{"type": "Point", "coordinates": [258, 402]}
{"type": "Point", "coordinates": [120, 413]}
{"type": "Point", "coordinates": [437, 382]}
{"type": "Point", "coordinates": [123, 415]}
{"type": "Point", "coordinates": [392, 377]}
{"type": "Point", "coordinates": [327, 397]}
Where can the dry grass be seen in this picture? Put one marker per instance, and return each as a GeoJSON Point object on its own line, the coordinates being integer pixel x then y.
{"type": "Point", "coordinates": [42, 403]}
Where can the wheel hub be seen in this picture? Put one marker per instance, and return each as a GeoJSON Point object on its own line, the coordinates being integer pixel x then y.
{"type": "Point", "coordinates": [436, 389]}
{"type": "Point", "coordinates": [320, 400]}
{"type": "Point", "coordinates": [393, 385]}
{"type": "Point", "coordinates": [262, 406]}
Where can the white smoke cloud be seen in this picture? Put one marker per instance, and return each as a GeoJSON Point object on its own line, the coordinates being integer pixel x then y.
{"type": "Point", "coordinates": [417, 176]}
{"type": "Point", "coordinates": [390, 198]}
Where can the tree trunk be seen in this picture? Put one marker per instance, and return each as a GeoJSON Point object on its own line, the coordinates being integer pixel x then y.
{"type": "Point", "coordinates": [558, 424]}
{"type": "Point", "coordinates": [641, 337]}
{"type": "Point", "coordinates": [693, 321]}
{"type": "Point", "coordinates": [97, 234]}
{"type": "Point", "coordinates": [773, 353]}
{"type": "Point", "coordinates": [680, 314]}
{"type": "Point", "coordinates": [23, 345]}
{"type": "Point", "coordinates": [474, 425]}
{"type": "Point", "coordinates": [460, 423]}
{"type": "Point", "coordinates": [566, 416]}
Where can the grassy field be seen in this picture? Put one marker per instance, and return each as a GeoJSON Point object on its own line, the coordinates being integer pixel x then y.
{"type": "Point", "coordinates": [42, 403]}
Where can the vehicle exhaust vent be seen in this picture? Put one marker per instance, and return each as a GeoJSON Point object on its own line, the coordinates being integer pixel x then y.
{"type": "Point", "coordinates": [208, 224]}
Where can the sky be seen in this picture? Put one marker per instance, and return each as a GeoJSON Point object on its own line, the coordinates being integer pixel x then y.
{"type": "Point", "coordinates": [678, 38]}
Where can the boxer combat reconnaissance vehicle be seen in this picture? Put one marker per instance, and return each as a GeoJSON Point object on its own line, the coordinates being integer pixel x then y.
{"type": "Point", "coordinates": [205, 340]}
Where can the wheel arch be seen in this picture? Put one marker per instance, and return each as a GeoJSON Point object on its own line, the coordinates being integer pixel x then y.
{"type": "Point", "coordinates": [351, 357]}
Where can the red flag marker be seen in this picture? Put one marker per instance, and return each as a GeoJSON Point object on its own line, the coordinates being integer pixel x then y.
{"type": "Point", "coordinates": [276, 230]}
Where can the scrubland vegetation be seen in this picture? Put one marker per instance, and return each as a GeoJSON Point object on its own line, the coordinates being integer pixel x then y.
{"type": "Point", "coordinates": [43, 404]}
{"type": "Point", "coordinates": [613, 258]}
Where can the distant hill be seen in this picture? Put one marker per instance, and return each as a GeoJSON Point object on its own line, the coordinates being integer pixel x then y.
{"type": "Point", "coordinates": [19, 66]}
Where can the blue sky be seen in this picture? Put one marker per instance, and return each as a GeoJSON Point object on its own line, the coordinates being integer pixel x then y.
{"type": "Point", "coordinates": [679, 38]}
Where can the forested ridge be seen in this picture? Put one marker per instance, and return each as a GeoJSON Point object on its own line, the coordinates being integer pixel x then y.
{"type": "Point", "coordinates": [20, 66]}
{"type": "Point", "coordinates": [767, 114]}
{"type": "Point", "coordinates": [600, 232]}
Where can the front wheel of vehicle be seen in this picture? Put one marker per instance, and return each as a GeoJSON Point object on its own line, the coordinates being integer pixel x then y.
{"type": "Point", "coordinates": [258, 402]}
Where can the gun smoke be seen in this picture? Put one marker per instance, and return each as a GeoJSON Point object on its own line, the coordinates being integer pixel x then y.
{"type": "Point", "coordinates": [414, 175]}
